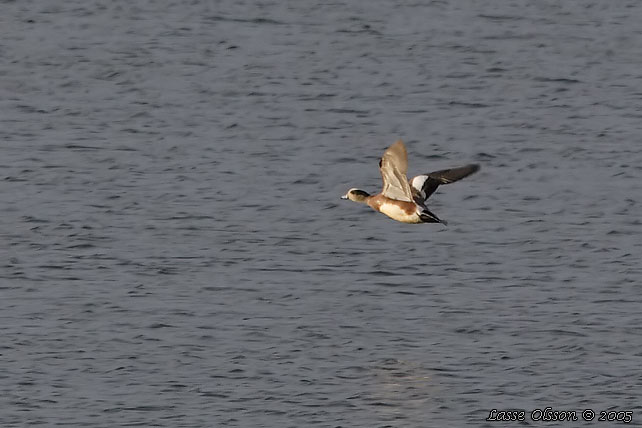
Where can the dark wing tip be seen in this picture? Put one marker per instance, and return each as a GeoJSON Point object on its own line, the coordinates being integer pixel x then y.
{"type": "Point", "coordinates": [465, 171]}
{"type": "Point", "coordinates": [447, 176]}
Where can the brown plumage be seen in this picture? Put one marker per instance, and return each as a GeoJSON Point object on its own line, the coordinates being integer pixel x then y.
{"type": "Point", "coordinates": [402, 199]}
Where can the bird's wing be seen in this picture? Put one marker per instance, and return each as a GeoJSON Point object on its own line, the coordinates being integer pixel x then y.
{"type": "Point", "coordinates": [425, 185]}
{"type": "Point", "coordinates": [393, 166]}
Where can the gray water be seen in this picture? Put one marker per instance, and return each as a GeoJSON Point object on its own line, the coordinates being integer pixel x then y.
{"type": "Point", "coordinates": [175, 253]}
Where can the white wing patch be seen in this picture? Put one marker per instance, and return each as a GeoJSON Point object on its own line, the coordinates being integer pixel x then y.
{"type": "Point", "coordinates": [418, 184]}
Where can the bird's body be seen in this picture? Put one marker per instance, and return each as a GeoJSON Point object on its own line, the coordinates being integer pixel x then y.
{"type": "Point", "coordinates": [402, 199]}
{"type": "Point", "coordinates": [403, 211]}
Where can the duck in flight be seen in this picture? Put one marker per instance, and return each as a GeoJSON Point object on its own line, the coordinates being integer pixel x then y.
{"type": "Point", "coordinates": [402, 199]}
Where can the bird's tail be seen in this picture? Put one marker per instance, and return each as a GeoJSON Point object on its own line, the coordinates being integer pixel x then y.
{"type": "Point", "coordinates": [427, 216]}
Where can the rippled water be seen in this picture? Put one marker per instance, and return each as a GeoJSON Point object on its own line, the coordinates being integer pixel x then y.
{"type": "Point", "coordinates": [176, 253]}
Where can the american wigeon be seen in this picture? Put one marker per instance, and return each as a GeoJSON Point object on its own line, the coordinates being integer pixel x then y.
{"type": "Point", "coordinates": [402, 199]}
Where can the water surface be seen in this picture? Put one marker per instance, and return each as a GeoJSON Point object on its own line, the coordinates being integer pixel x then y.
{"type": "Point", "coordinates": [176, 253]}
